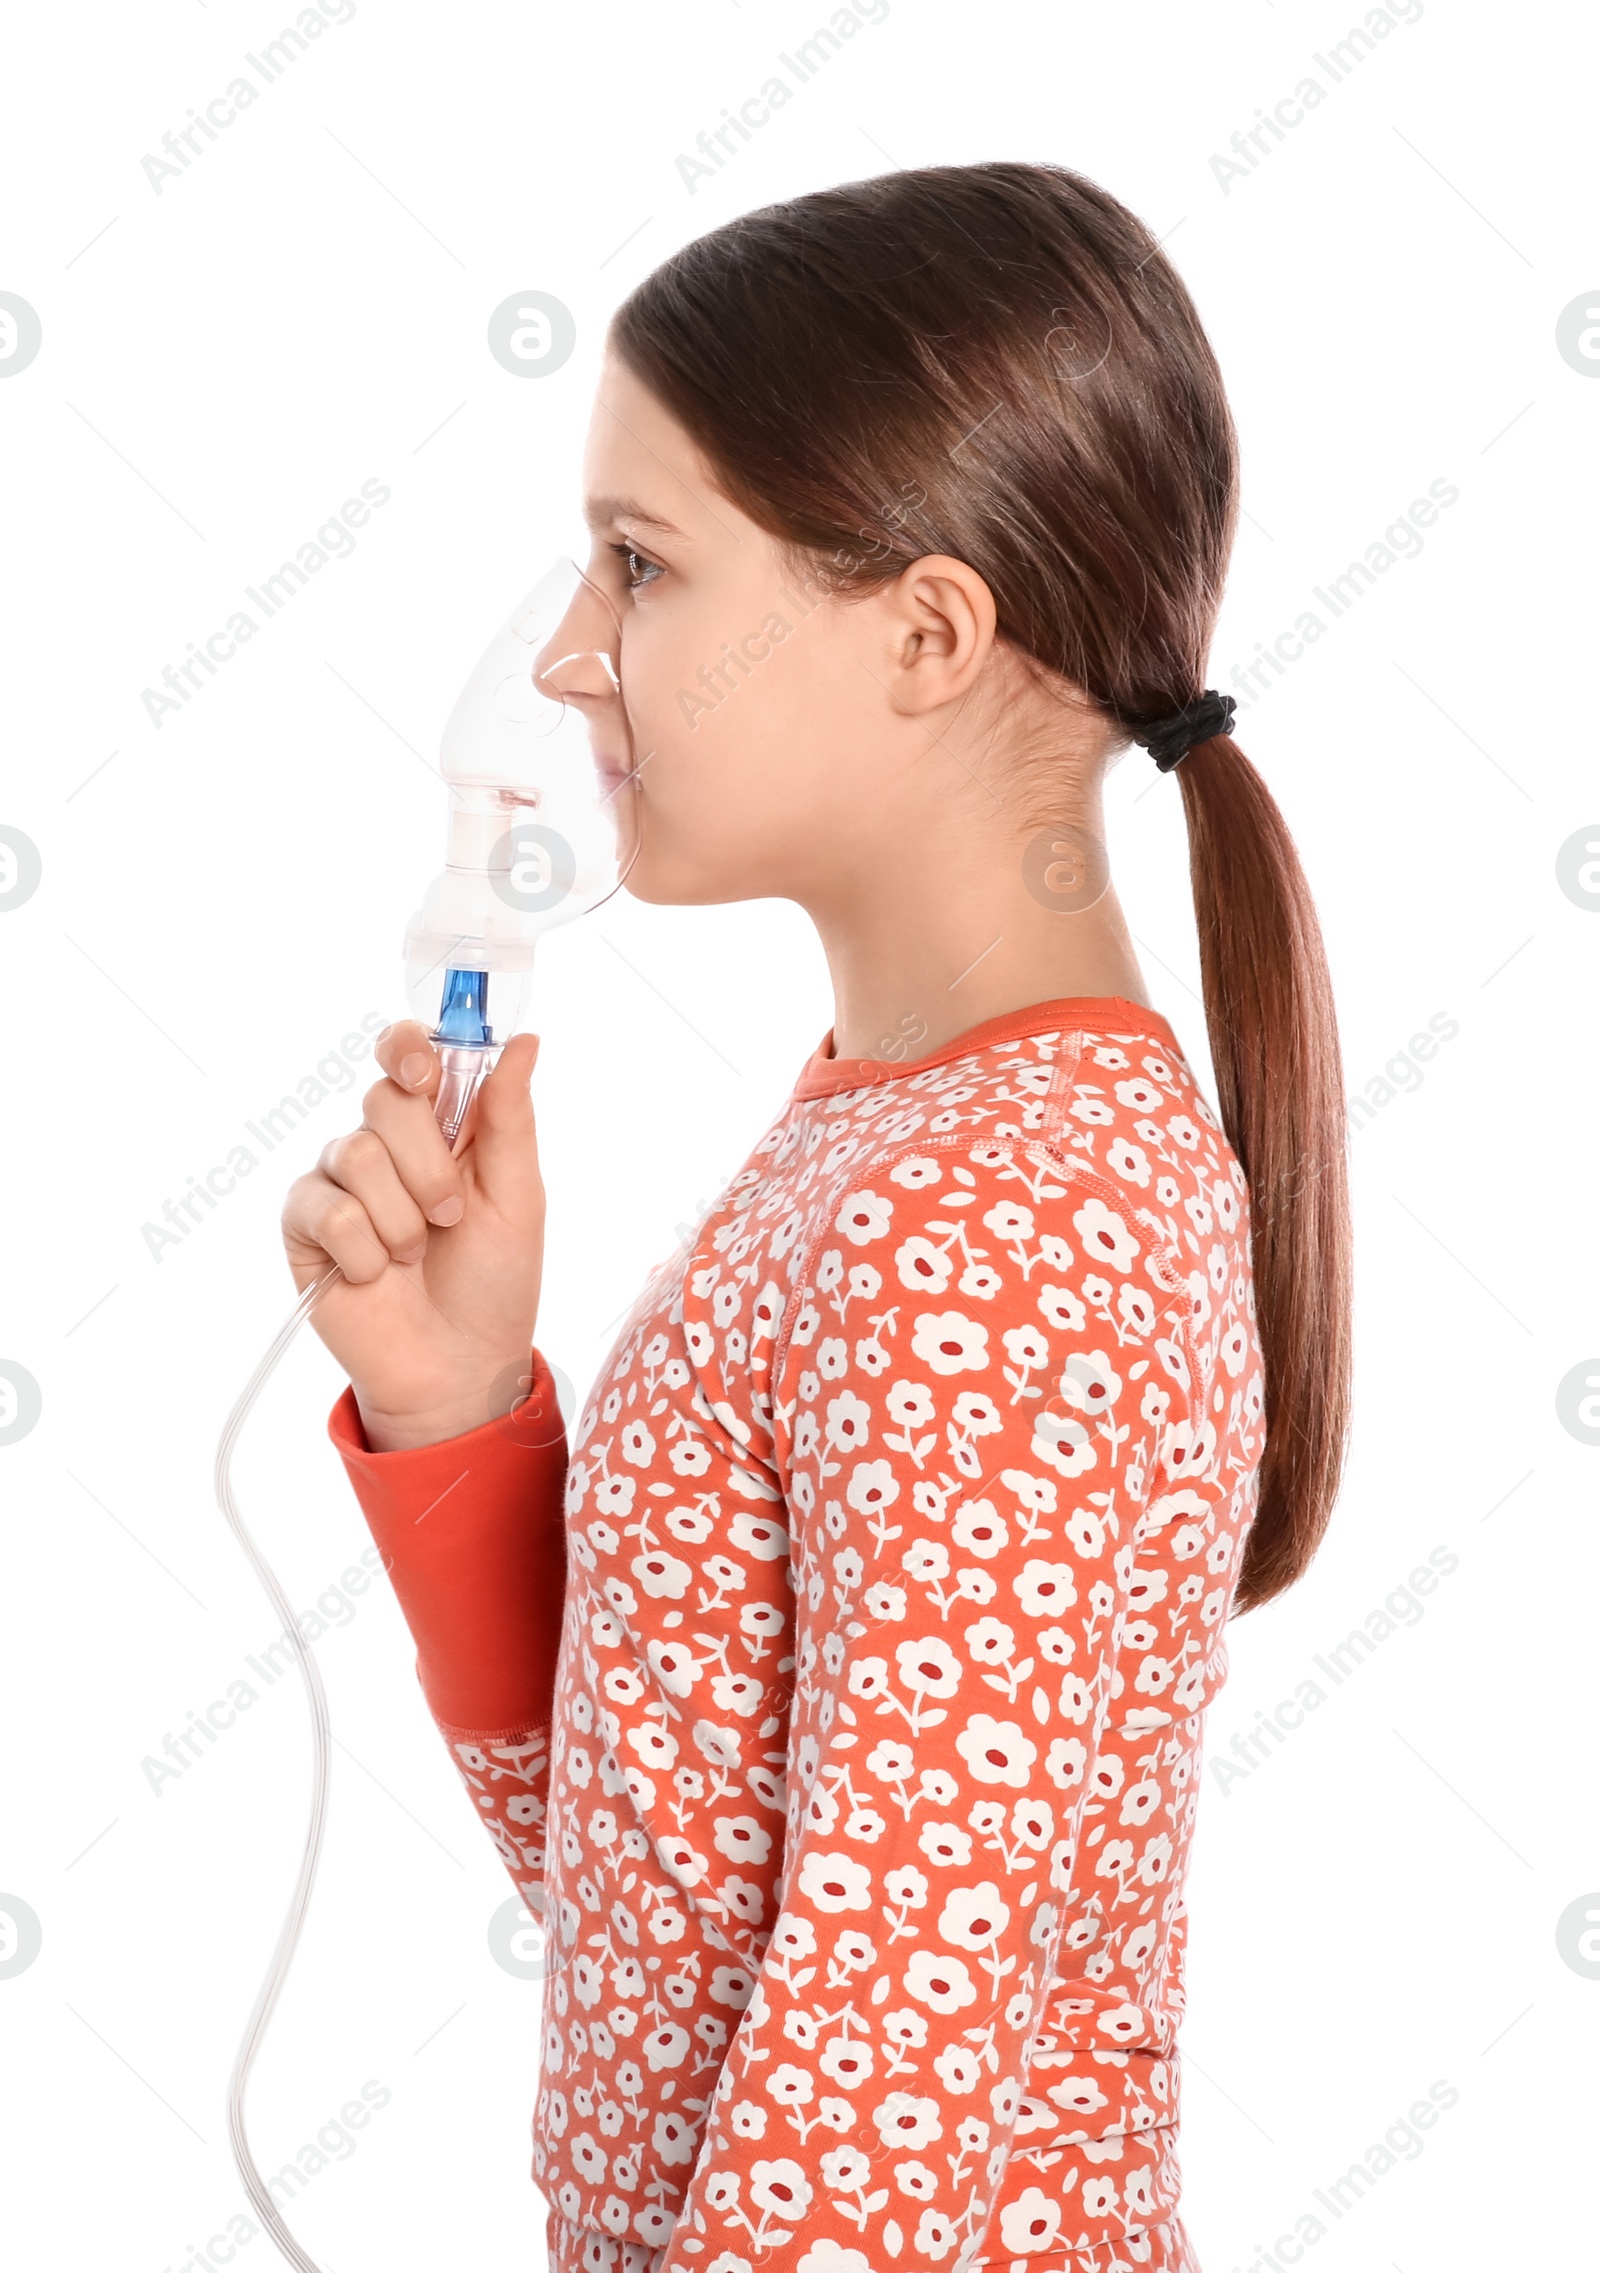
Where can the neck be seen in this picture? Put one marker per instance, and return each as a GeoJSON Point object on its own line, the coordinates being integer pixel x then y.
{"type": "Point", "coordinates": [919, 960]}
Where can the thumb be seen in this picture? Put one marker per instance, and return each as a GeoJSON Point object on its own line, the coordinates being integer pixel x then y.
{"type": "Point", "coordinates": [505, 1147]}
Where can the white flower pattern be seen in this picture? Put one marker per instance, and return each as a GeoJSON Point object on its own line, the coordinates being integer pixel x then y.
{"type": "Point", "coordinates": [903, 1526]}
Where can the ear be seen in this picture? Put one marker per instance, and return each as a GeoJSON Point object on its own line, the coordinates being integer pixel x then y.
{"type": "Point", "coordinates": [940, 632]}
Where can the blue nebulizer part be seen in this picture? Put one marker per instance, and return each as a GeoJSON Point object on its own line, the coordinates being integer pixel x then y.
{"type": "Point", "coordinates": [461, 1014]}
{"type": "Point", "coordinates": [542, 827]}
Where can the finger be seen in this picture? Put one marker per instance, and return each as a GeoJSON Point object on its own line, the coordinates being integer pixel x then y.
{"type": "Point", "coordinates": [420, 1156]}
{"type": "Point", "coordinates": [408, 1057]}
{"type": "Point", "coordinates": [323, 1224]}
{"type": "Point", "coordinates": [505, 1148]}
{"type": "Point", "coordinates": [361, 1164]}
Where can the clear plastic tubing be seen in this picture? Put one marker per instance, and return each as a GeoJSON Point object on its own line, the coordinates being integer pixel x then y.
{"type": "Point", "coordinates": [321, 1747]}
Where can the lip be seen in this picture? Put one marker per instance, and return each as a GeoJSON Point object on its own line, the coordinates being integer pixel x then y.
{"type": "Point", "coordinates": [613, 772]}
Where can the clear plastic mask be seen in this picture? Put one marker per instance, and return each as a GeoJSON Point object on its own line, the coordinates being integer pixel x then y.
{"type": "Point", "coordinates": [543, 822]}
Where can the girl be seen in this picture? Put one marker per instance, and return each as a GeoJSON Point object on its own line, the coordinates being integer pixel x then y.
{"type": "Point", "coordinates": [838, 1697]}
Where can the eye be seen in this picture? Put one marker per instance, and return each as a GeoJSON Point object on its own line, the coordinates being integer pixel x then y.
{"type": "Point", "coordinates": [633, 563]}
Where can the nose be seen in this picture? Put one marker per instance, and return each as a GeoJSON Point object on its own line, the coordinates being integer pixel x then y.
{"type": "Point", "coordinates": [579, 662]}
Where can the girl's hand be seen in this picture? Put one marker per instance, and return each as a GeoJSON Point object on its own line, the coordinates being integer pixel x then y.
{"type": "Point", "coordinates": [441, 1254]}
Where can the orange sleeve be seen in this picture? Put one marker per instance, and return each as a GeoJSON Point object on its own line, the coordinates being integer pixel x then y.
{"type": "Point", "coordinates": [470, 1531]}
{"type": "Point", "coordinates": [471, 1535]}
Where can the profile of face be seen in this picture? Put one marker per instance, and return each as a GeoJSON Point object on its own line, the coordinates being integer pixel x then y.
{"type": "Point", "coordinates": [767, 740]}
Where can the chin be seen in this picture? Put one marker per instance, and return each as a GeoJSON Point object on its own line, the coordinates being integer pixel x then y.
{"type": "Point", "coordinates": [665, 883]}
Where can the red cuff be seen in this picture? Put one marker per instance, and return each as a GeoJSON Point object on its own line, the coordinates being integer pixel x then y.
{"type": "Point", "coordinates": [472, 1536]}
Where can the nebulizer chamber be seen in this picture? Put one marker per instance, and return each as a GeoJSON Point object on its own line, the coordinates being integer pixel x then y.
{"type": "Point", "coordinates": [537, 835]}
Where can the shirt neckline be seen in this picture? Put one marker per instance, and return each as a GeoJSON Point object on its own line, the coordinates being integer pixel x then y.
{"type": "Point", "coordinates": [824, 1075]}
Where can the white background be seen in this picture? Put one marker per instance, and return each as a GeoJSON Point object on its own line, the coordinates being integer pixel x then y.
{"type": "Point", "coordinates": [1375, 1905]}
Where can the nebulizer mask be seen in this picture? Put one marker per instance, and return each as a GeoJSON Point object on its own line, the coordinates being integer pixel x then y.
{"type": "Point", "coordinates": [538, 833]}
{"type": "Point", "coordinates": [541, 829]}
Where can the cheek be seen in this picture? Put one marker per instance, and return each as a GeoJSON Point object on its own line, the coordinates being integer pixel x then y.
{"type": "Point", "coordinates": [709, 703]}
{"type": "Point", "coordinates": [673, 674]}
{"type": "Point", "coordinates": [651, 672]}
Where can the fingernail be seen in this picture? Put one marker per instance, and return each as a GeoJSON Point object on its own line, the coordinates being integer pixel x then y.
{"type": "Point", "coordinates": [414, 1069]}
{"type": "Point", "coordinates": [386, 1032]}
{"type": "Point", "coordinates": [448, 1211]}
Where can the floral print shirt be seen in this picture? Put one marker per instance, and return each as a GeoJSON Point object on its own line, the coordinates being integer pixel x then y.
{"type": "Point", "coordinates": [854, 1766]}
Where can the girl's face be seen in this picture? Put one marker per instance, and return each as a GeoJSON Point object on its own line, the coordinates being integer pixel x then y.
{"type": "Point", "coordinates": [780, 744]}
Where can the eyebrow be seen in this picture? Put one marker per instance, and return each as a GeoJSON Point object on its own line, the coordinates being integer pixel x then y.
{"type": "Point", "coordinates": [599, 510]}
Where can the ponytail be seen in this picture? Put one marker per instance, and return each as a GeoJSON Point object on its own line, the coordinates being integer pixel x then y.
{"type": "Point", "coordinates": [1280, 1093]}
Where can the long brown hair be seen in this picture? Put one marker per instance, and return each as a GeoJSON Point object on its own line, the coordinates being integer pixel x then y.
{"type": "Point", "coordinates": [1000, 363]}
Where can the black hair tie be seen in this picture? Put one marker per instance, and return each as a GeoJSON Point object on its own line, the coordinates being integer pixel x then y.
{"type": "Point", "coordinates": [1170, 740]}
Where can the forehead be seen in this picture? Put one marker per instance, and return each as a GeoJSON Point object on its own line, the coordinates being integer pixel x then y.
{"type": "Point", "coordinates": [636, 454]}
{"type": "Point", "coordinates": [641, 469]}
